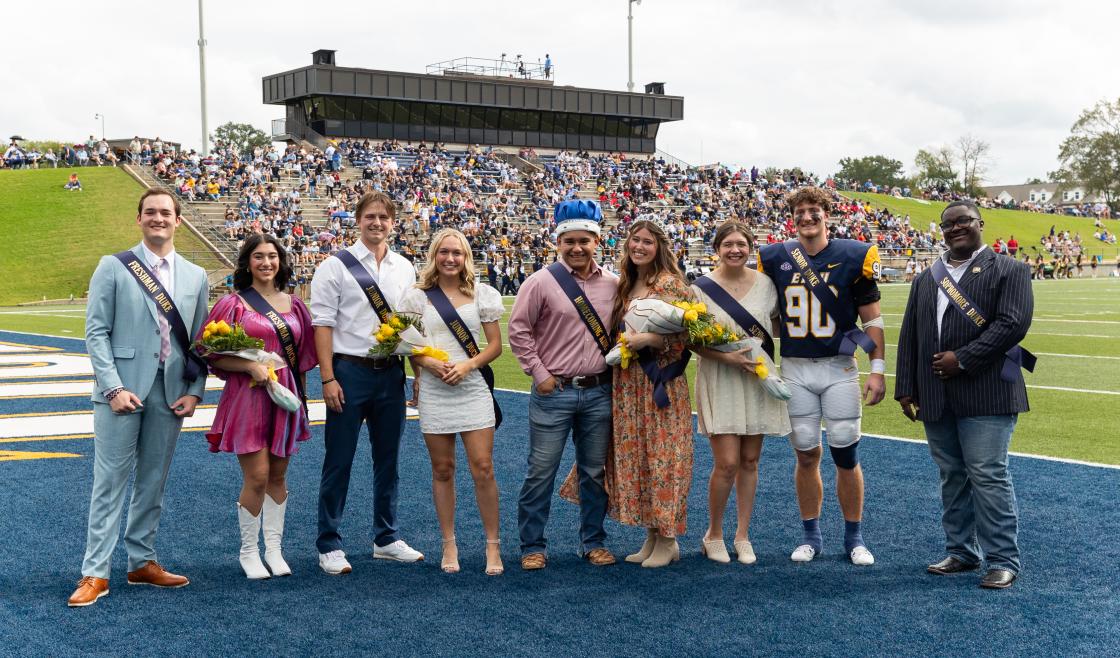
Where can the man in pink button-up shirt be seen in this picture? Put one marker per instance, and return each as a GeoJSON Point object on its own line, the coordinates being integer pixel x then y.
{"type": "Point", "coordinates": [571, 384]}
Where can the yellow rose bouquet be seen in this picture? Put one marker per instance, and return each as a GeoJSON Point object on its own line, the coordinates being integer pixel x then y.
{"type": "Point", "coordinates": [403, 335]}
{"type": "Point", "coordinates": [222, 339]}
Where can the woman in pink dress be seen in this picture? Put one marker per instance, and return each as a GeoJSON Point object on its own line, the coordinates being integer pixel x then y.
{"type": "Point", "coordinates": [248, 423]}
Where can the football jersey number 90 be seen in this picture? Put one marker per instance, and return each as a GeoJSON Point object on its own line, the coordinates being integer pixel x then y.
{"type": "Point", "coordinates": [805, 315]}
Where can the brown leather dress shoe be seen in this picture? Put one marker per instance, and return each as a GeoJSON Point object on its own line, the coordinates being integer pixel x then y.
{"type": "Point", "coordinates": [600, 557]}
{"type": "Point", "coordinates": [533, 561]}
{"type": "Point", "coordinates": [155, 575]}
{"type": "Point", "coordinates": [89, 590]}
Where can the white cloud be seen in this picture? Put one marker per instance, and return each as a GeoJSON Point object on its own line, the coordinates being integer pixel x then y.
{"type": "Point", "coordinates": [768, 82]}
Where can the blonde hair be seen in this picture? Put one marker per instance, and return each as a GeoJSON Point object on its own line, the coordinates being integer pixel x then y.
{"type": "Point", "coordinates": [429, 276]}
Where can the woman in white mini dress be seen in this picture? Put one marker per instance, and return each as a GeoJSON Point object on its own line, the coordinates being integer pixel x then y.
{"type": "Point", "coordinates": [454, 398]}
{"type": "Point", "coordinates": [733, 409]}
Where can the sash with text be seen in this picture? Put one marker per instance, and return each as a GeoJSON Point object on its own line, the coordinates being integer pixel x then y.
{"type": "Point", "coordinates": [149, 283]}
{"type": "Point", "coordinates": [1017, 357]}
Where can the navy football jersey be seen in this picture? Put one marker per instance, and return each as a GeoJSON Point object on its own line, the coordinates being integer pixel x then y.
{"type": "Point", "coordinates": [851, 269]}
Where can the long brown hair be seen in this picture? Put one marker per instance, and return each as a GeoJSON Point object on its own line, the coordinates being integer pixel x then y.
{"type": "Point", "coordinates": [628, 271]}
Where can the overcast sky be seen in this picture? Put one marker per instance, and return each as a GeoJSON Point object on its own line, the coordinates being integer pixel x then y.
{"type": "Point", "coordinates": [767, 82]}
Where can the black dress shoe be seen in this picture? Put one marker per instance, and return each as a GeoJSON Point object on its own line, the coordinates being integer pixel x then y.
{"type": "Point", "coordinates": [997, 579]}
{"type": "Point", "coordinates": [951, 565]}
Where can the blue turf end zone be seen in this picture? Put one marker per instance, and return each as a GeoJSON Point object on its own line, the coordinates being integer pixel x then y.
{"type": "Point", "coordinates": [1064, 605]}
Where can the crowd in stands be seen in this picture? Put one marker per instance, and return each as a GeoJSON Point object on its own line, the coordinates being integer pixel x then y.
{"type": "Point", "coordinates": [93, 152]}
{"type": "Point", "coordinates": [506, 214]}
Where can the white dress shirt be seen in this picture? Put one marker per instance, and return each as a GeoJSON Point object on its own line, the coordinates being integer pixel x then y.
{"type": "Point", "coordinates": [338, 301]}
{"type": "Point", "coordinates": [956, 272]}
{"type": "Point", "coordinates": [152, 261]}
{"type": "Point", "coordinates": [166, 276]}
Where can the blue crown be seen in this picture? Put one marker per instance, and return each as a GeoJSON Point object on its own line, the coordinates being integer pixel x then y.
{"type": "Point", "coordinates": [578, 209]}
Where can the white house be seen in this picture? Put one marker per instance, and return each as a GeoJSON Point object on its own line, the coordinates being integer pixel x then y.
{"type": "Point", "coordinates": [1042, 194]}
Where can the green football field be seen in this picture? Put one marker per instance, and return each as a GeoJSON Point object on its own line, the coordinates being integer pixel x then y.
{"type": "Point", "coordinates": [1074, 393]}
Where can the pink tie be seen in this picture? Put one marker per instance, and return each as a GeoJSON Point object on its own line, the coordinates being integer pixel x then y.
{"type": "Point", "coordinates": [164, 327]}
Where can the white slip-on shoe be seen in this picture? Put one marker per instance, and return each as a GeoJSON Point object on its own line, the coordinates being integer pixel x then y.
{"type": "Point", "coordinates": [398, 551]}
{"type": "Point", "coordinates": [745, 552]}
{"type": "Point", "coordinates": [334, 563]}
{"type": "Point", "coordinates": [861, 557]}
{"type": "Point", "coordinates": [715, 550]}
{"type": "Point", "coordinates": [803, 553]}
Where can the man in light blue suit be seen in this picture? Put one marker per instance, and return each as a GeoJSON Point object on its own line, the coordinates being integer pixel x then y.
{"type": "Point", "coordinates": [145, 386]}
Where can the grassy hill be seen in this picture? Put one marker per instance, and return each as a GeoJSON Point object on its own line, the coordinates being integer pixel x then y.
{"type": "Point", "coordinates": [1027, 227]}
{"type": "Point", "coordinates": [53, 238]}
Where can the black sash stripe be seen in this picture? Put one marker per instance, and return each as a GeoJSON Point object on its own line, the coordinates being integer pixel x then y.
{"type": "Point", "coordinates": [466, 340]}
{"type": "Point", "coordinates": [149, 283]}
{"type": "Point", "coordinates": [583, 307]}
{"type": "Point", "coordinates": [283, 332]}
{"type": "Point", "coordinates": [369, 286]}
{"type": "Point", "coordinates": [1016, 357]}
{"type": "Point", "coordinates": [829, 303]}
{"type": "Point", "coordinates": [737, 312]}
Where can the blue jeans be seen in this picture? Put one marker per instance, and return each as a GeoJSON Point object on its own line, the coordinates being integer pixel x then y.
{"type": "Point", "coordinates": [977, 497]}
{"type": "Point", "coordinates": [586, 414]}
{"type": "Point", "coordinates": [376, 397]}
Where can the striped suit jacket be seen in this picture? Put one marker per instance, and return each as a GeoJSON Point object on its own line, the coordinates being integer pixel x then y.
{"type": "Point", "coordinates": [1001, 288]}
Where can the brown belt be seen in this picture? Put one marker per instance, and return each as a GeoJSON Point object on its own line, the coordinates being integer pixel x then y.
{"type": "Point", "coordinates": [587, 381]}
{"type": "Point", "coordinates": [380, 363]}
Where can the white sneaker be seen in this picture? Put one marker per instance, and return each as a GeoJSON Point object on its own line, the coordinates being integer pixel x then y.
{"type": "Point", "coordinates": [861, 557]}
{"type": "Point", "coordinates": [398, 551]}
{"type": "Point", "coordinates": [803, 553]}
{"type": "Point", "coordinates": [334, 563]}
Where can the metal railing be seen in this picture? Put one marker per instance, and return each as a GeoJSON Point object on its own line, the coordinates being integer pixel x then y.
{"type": "Point", "coordinates": [495, 68]}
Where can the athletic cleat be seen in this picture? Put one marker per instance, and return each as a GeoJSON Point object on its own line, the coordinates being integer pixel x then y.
{"type": "Point", "coordinates": [803, 553]}
{"type": "Point", "coordinates": [861, 557]}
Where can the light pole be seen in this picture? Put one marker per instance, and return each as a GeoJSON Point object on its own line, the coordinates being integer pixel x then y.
{"type": "Point", "coordinates": [202, 81]}
{"type": "Point", "coordinates": [102, 117]}
{"type": "Point", "coordinates": [630, 42]}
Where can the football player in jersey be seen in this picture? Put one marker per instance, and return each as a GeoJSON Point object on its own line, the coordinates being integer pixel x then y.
{"type": "Point", "coordinates": [823, 287]}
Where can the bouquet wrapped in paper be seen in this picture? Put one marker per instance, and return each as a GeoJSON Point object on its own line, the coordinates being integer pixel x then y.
{"type": "Point", "coordinates": [766, 371]}
{"type": "Point", "coordinates": [221, 339]}
{"type": "Point", "coordinates": [403, 335]}
{"type": "Point", "coordinates": [660, 317]}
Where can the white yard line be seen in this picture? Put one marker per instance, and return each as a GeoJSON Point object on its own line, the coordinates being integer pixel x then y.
{"type": "Point", "coordinates": [1046, 388]}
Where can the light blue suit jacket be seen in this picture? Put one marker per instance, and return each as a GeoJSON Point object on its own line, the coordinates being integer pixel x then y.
{"type": "Point", "coordinates": [122, 332]}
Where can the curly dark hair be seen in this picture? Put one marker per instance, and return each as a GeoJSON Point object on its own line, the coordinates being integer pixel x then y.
{"type": "Point", "coordinates": [243, 278]}
{"type": "Point", "coordinates": [811, 196]}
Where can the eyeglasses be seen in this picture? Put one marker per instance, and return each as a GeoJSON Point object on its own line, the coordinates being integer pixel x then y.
{"type": "Point", "coordinates": [963, 220]}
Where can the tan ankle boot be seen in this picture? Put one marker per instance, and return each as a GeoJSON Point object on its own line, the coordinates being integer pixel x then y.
{"type": "Point", "coordinates": [643, 554]}
{"type": "Point", "coordinates": [665, 551]}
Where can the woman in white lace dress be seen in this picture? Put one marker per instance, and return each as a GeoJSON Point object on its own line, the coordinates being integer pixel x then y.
{"type": "Point", "coordinates": [734, 411]}
{"type": "Point", "coordinates": [454, 398]}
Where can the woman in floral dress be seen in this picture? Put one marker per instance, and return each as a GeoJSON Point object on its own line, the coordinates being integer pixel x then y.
{"type": "Point", "coordinates": [650, 471]}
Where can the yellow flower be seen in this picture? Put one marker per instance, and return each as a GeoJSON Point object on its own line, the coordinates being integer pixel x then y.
{"type": "Point", "coordinates": [691, 316]}
{"type": "Point", "coordinates": [272, 373]}
{"type": "Point", "coordinates": [387, 330]}
{"type": "Point", "coordinates": [212, 327]}
{"type": "Point", "coordinates": [761, 371]}
{"type": "Point", "coordinates": [206, 334]}
{"type": "Point", "coordinates": [223, 328]}
{"type": "Point", "coordinates": [731, 337]}
{"type": "Point", "coordinates": [718, 327]}
{"type": "Point", "coordinates": [395, 322]}
{"type": "Point", "coordinates": [700, 307]}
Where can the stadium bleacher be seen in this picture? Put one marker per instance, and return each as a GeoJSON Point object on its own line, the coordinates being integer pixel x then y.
{"type": "Point", "coordinates": [502, 203]}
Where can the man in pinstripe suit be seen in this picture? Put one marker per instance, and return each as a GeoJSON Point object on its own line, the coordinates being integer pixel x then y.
{"type": "Point", "coordinates": [964, 320]}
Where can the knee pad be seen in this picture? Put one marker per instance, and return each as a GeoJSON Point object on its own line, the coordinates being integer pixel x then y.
{"type": "Point", "coordinates": [842, 433]}
{"type": "Point", "coordinates": [847, 457]}
{"type": "Point", "coordinates": [805, 432]}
